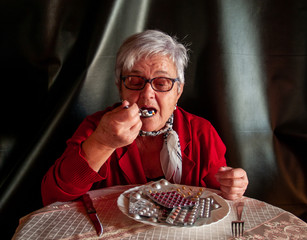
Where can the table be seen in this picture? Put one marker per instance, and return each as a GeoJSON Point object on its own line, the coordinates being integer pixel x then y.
{"type": "Point", "coordinates": [69, 221]}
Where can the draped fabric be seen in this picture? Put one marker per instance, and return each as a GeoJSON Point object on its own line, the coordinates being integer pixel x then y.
{"type": "Point", "coordinates": [247, 75]}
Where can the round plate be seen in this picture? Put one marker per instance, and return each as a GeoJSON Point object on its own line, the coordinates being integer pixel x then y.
{"type": "Point", "coordinates": [216, 215]}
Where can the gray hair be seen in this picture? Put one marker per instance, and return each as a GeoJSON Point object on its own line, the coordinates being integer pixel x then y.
{"type": "Point", "coordinates": [148, 43]}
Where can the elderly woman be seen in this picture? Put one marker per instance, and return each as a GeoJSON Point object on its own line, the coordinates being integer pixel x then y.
{"type": "Point", "coordinates": [147, 136]}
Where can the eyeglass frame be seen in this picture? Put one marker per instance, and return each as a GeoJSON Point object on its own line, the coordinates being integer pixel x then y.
{"type": "Point", "coordinates": [146, 80]}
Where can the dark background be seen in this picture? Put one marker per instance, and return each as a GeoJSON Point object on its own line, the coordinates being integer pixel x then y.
{"type": "Point", "coordinates": [247, 75]}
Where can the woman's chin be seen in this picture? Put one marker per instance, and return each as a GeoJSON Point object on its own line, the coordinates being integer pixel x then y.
{"type": "Point", "coordinates": [148, 129]}
{"type": "Point", "coordinates": [148, 126]}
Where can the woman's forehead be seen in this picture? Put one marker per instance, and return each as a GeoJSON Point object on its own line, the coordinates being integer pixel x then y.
{"type": "Point", "coordinates": [160, 63]}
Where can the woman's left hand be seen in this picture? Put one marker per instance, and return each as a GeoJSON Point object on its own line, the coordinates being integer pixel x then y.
{"type": "Point", "coordinates": [233, 182]}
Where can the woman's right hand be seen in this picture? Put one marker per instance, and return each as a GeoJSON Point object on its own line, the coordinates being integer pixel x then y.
{"type": "Point", "coordinates": [119, 127]}
{"type": "Point", "coordinates": [116, 129]}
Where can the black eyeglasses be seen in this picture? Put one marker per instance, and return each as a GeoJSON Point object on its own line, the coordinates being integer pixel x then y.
{"type": "Point", "coordinates": [159, 84]}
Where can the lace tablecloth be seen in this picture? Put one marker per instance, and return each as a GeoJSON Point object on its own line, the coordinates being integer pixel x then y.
{"type": "Point", "coordinates": [69, 221]}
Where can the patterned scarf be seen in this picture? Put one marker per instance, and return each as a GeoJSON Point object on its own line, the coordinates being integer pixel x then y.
{"type": "Point", "coordinates": [170, 155]}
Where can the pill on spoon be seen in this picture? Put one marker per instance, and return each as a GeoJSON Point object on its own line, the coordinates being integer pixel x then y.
{"type": "Point", "coordinates": [147, 113]}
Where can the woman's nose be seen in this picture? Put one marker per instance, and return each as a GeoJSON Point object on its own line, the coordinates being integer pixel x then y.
{"type": "Point", "coordinates": [147, 91]}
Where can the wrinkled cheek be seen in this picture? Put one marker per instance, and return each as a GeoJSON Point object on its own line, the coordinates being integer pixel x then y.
{"type": "Point", "coordinates": [131, 98]}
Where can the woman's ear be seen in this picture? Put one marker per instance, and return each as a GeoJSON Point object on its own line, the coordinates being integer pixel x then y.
{"type": "Point", "coordinates": [180, 90]}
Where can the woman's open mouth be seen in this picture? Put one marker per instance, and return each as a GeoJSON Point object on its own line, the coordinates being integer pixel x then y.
{"type": "Point", "coordinates": [147, 112]}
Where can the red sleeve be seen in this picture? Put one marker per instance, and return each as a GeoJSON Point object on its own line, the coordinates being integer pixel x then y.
{"type": "Point", "coordinates": [71, 176]}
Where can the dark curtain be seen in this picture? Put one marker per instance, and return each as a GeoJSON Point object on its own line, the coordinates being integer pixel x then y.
{"type": "Point", "coordinates": [247, 75]}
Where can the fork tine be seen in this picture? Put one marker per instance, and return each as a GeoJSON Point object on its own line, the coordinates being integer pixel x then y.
{"type": "Point", "coordinates": [242, 228]}
{"type": "Point", "coordinates": [233, 226]}
{"type": "Point", "coordinates": [239, 229]}
{"type": "Point", "coordinates": [234, 229]}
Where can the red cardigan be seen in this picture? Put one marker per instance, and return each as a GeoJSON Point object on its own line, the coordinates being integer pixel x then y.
{"type": "Point", "coordinates": [203, 153]}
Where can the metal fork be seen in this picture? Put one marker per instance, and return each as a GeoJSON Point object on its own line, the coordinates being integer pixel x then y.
{"type": "Point", "coordinates": [237, 227]}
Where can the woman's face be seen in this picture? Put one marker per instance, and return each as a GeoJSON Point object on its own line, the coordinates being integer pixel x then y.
{"type": "Point", "coordinates": [163, 103]}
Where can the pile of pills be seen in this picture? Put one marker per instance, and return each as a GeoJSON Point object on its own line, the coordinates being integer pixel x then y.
{"type": "Point", "coordinates": [179, 216]}
{"type": "Point", "coordinates": [171, 199]}
{"type": "Point", "coordinates": [163, 202]}
{"type": "Point", "coordinates": [188, 216]}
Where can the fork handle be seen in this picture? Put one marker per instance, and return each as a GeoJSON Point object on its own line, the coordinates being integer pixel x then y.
{"type": "Point", "coordinates": [240, 210]}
